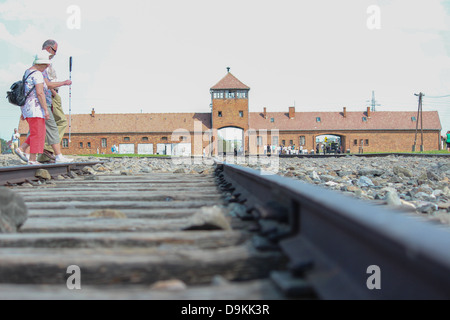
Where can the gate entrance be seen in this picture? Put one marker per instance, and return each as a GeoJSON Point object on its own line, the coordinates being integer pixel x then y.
{"type": "Point", "coordinates": [230, 141]}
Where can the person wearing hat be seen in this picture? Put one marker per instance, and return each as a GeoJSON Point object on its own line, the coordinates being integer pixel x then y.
{"type": "Point", "coordinates": [35, 110]}
{"type": "Point", "coordinates": [52, 147]}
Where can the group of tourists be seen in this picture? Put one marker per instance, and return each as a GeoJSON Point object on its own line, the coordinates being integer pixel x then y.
{"type": "Point", "coordinates": [42, 111]}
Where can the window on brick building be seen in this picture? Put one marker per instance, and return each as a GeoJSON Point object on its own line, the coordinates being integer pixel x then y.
{"type": "Point", "coordinates": [364, 119]}
{"type": "Point", "coordinates": [302, 140]}
{"type": "Point", "coordinates": [126, 139]}
{"type": "Point", "coordinates": [413, 119]}
{"type": "Point", "coordinates": [272, 119]}
{"type": "Point", "coordinates": [283, 142]}
{"type": "Point", "coordinates": [65, 143]}
{"type": "Point", "coordinates": [219, 114]}
{"type": "Point", "coordinates": [355, 142]}
{"type": "Point", "coordinates": [164, 138]}
{"type": "Point", "coordinates": [183, 138]}
{"type": "Point", "coordinates": [241, 114]}
{"type": "Point", "coordinates": [230, 95]}
{"type": "Point", "coordinates": [259, 141]}
{"type": "Point", "coordinates": [291, 142]}
{"type": "Point", "coordinates": [81, 145]}
{"type": "Point", "coordinates": [241, 94]}
{"type": "Point", "coordinates": [218, 95]}
{"type": "Point", "coordinates": [104, 143]}
{"type": "Point", "coordinates": [318, 119]}
{"type": "Point", "coordinates": [366, 142]}
{"type": "Point", "coordinates": [88, 144]}
{"type": "Point", "coordinates": [144, 138]}
{"type": "Point", "coordinates": [275, 141]}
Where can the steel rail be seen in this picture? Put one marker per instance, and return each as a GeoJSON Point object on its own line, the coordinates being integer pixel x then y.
{"type": "Point", "coordinates": [19, 174]}
{"type": "Point", "coordinates": [334, 241]}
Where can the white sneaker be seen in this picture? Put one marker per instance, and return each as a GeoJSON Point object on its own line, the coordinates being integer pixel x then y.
{"type": "Point", "coordinates": [62, 159]}
{"type": "Point", "coordinates": [34, 163]}
{"type": "Point", "coordinates": [21, 155]}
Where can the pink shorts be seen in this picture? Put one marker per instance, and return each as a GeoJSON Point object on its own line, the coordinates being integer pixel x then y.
{"type": "Point", "coordinates": [36, 139]}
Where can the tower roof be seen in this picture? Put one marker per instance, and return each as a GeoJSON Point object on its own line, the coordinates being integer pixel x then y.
{"type": "Point", "coordinates": [230, 82]}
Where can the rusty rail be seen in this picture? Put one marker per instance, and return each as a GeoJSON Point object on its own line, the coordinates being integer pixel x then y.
{"type": "Point", "coordinates": [340, 247]}
{"type": "Point", "coordinates": [19, 174]}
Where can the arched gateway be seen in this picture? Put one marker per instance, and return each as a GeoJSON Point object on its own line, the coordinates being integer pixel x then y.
{"type": "Point", "coordinates": [231, 141]}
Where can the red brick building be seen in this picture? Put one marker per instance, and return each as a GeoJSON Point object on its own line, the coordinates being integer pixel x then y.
{"type": "Point", "coordinates": [205, 133]}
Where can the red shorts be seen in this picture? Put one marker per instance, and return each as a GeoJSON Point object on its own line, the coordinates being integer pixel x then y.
{"type": "Point", "coordinates": [36, 139]}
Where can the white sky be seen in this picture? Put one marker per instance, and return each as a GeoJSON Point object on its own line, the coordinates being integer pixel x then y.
{"type": "Point", "coordinates": [164, 56]}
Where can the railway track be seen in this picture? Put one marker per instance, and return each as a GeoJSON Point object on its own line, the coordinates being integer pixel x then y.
{"type": "Point", "coordinates": [130, 236]}
{"type": "Point", "coordinates": [236, 234]}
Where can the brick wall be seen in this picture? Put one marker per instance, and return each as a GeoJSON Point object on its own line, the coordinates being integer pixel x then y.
{"type": "Point", "coordinates": [95, 141]}
{"type": "Point", "coordinates": [230, 115]}
{"type": "Point", "coordinates": [380, 141]}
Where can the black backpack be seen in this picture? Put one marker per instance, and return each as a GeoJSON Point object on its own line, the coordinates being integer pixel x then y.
{"type": "Point", "coordinates": [17, 94]}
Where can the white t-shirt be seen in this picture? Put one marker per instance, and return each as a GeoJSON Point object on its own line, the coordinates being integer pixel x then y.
{"type": "Point", "coordinates": [32, 107]}
{"type": "Point", "coordinates": [15, 137]}
{"type": "Point", "coordinates": [51, 73]}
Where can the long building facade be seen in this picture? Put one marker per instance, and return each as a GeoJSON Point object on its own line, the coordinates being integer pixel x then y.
{"type": "Point", "coordinates": [230, 127]}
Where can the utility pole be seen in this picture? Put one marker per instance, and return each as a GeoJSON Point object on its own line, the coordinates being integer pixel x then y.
{"type": "Point", "coordinates": [419, 115]}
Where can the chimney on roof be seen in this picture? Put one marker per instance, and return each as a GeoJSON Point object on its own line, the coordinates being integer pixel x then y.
{"type": "Point", "coordinates": [265, 113]}
{"type": "Point", "coordinates": [93, 113]}
{"type": "Point", "coordinates": [368, 112]}
{"type": "Point", "coordinates": [291, 112]}
{"type": "Point", "coordinates": [345, 112]}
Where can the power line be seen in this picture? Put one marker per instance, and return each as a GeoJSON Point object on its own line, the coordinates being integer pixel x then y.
{"type": "Point", "coordinates": [438, 97]}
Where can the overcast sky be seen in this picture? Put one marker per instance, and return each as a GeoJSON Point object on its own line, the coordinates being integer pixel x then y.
{"type": "Point", "coordinates": [164, 56]}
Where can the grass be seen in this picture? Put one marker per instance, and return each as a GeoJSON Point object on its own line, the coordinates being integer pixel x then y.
{"type": "Point", "coordinates": [130, 155]}
{"type": "Point", "coordinates": [416, 152]}
{"type": "Point", "coordinates": [433, 152]}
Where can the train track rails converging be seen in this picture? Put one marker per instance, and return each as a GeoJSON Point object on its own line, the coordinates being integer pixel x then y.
{"type": "Point", "coordinates": [234, 234]}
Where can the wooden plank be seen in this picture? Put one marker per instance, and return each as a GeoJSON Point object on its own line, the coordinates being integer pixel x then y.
{"type": "Point", "coordinates": [196, 239]}
{"type": "Point", "coordinates": [123, 204]}
{"type": "Point", "coordinates": [57, 188]}
{"type": "Point", "coordinates": [249, 290]}
{"type": "Point", "coordinates": [136, 265]}
{"type": "Point", "coordinates": [87, 224]}
{"type": "Point", "coordinates": [154, 213]}
{"type": "Point", "coordinates": [148, 179]}
{"type": "Point", "coordinates": [175, 195]}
